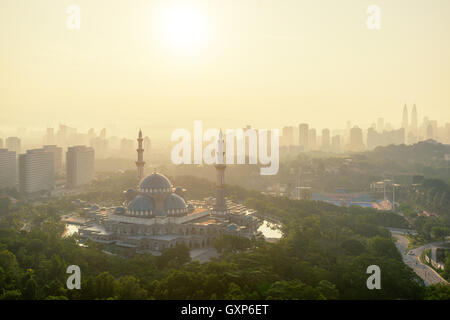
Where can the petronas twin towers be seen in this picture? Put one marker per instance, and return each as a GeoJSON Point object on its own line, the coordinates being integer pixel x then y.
{"type": "Point", "coordinates": [411, 128]}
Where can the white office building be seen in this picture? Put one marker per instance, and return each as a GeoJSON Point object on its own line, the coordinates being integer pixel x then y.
{"type": "Point", "coordinates": [36, 171]}
{"type": "Point", "coordinates": [7, 169]}
{"type": "Point", "coordinates": [80, 166]}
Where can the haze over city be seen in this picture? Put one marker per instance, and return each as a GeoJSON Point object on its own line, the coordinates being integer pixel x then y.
{"type": "Point", "coordinates": [225, 154]}
{"type": "Point", "coordinates": [142, 64]}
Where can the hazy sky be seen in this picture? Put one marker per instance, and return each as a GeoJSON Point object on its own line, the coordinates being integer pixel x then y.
{"type": "Point", "coordinates": [162, 64]}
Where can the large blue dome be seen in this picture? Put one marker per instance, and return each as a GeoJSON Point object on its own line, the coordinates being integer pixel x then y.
{"type": "Point", "coordinates": [141, 205]}
{"type": "Point", "coordinates": [155, 183]}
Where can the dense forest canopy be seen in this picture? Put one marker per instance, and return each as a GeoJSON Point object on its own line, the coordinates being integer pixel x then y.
{"type": "Point", "coordinates": [324, 255]}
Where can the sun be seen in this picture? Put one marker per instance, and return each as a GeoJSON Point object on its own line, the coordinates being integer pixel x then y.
{"type": "Point", "coordinates": [183, 27]}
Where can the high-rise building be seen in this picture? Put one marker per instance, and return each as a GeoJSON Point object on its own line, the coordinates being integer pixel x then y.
{"type": "Point", "coordinates": [325, 139]}
{"type": "Point", "coordinates": [356, 139]}
{"type": "Point", "coordinates": [127, 148]}
{"type": "Point", "coordinates": [312, 139]}
{"type": "Point", "coordinates": [336, 144]}
{"type": "Point", "coordinates": [147, 146]}
{"type": "Point", "coordinates": [100, 146]}
{"type": "Point", "coordinates": [13, 144]}
{"type": "Point", "coordinates": [7, 169]}
{"type": "Point", "coordinates": [375, 139]}
{"type": "Point", "coordinates": [103, 133]}
{"type": "Point", "coordinates": [57, 156]}
{"type": "Point", "coordinates": [405, 121]}
{"type": "Point", "coordinates": [49, 138]}
{"type": "Point", "coordinates": [1, 143]}
{"type": "Point", "coordinates": [287, 136]}
{"type": "Point", "coordinates": [36, 171]}
{"type": "Point", "coordinates": [380, 125]}
{"type": "Point", "coordinates": [303, 130]}
{"type": "Point", "coordinates": [80, 161]}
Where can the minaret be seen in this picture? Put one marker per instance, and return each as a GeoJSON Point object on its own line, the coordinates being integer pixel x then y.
{"type": "Point", "coordinates": [220, 208]}
{"type": "Point", "coordinates": [140, 161]}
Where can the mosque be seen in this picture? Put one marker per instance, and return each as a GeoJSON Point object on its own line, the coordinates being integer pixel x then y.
{"type": "Point", "coordinates": [156, 215]}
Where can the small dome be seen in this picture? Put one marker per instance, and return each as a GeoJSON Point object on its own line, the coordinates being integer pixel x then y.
{"type": "Point", "coordinates": [174, 201]}
{"type": "Point", "coordinates": [155, 183]}
{"type": "Point", "coordinates": [232, 227]}
{"type": "Point", "coordinates": [141, 204]}
{"type": "Point", "coordinates": [130, 194]}
{"type": "Point", "coordinates": [119, 210]}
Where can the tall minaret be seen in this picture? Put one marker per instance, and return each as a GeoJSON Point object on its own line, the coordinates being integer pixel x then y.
{"type": "Point", "coordinates": [140, 161]}
{"type": "Point", "coordinates": [220, 208]}
{"type": "Point", "coordinates": [405, 118]}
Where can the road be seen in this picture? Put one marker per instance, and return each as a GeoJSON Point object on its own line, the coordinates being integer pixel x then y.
{"type": "Point", "coordinates": [428, 275]}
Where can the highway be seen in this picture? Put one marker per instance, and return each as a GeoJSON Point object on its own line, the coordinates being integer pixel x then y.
{"type": "Point", "coordinates": [411, 258]}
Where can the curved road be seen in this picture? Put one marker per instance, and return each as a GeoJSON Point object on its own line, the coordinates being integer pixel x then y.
{"type": "Point", "coordinates": [428, 275]}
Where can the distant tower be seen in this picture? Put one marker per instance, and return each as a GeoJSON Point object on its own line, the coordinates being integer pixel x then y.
{"type": "Point", "coordinates": [220, 208]}
{"type": "Point", "coordinates": [140, 162]}
{"type": "Point", "coordinates": [414, 118]}
{"type": "Point", "coordinates": [405, 118]}
{"type": "Point", "coordinates": [414, 125]}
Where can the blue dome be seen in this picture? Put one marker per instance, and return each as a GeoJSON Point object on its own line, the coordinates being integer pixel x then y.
{"type": "Point", "coordinates": [232, 227]}
{"type": "Point", "coordinates": [119, 210]}
{"type": "Point", "coordinates": [155, 183]}
{"type": "Point", "coordinates": [174, 201]}
{"type": "Point", "coordinates": [141, 204]}
{"type": "Point", "coordinates": [130, 194]}
{"type": "Point", "coordinates": [175, 205]}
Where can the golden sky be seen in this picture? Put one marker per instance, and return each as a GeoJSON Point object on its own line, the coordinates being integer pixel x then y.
{"type": "Point", "coordinates": [161, 64]}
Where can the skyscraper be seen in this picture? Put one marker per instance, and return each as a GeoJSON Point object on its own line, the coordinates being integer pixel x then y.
{"type": "Point", "coordinates": [325, 139]}
{"type": "Point", "coordinates": [303, 130]}
{"type": "Point", "coordinates": [36, 171]}
{"type": "Point", "coordinates": [356, 139]}
{"type": "Point", "coordinates": [80, 161]}
{"type": "Point", "coordinates": [380, 125]}
{"type": "Point", "coordinates": [49, 138]}
{"type": "Point", "coordinates": [287, 136]}
{"type": "Point", "coordinates": [57, 156]}
{"type": "Point", "coordinates": [405, 122]}
{"type": "Point", "coordinates": [414, 122]}
{"type": "Point", "coordinates": [147, 147]}
{"type": "Point", "coordinates": [7, 168]}
{"type": "Point", "coordinates": [13, 144]}
{"type": "Point", "coordinates": [336, 144]}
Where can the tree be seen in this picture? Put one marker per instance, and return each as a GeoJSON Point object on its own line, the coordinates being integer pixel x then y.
{"type": "Point", "coordinates": [130, 289]}
{"type": "Point", "coordinates": [174, 257]}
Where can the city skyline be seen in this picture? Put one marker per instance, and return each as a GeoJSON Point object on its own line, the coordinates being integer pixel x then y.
{"type": "Point", "coordinates": [256, 62]}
